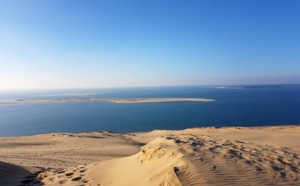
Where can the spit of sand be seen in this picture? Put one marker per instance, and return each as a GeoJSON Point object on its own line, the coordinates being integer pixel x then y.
{"type": "Point", "coordinates": [114, 100]}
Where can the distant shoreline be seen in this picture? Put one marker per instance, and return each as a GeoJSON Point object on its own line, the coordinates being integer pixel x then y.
{"type": "Point", "coordinates": [114, 100]}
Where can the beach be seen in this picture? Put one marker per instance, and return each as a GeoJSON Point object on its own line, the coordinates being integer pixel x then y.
{"type": "Point", "coordinates": [195, 156]}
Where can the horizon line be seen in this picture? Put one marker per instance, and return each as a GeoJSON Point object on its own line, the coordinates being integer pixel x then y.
{"type": "Point", "coordinates": [158, 86]}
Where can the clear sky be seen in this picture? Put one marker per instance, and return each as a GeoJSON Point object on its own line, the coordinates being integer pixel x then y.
{"type": "Point", "coordinates": [110, 43]}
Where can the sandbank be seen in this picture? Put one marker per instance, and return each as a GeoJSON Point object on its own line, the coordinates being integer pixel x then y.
{"type": "Point", "coordinates": [114, 100]}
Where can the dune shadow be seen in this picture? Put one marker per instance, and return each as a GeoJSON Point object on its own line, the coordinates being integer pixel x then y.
{"type": "Point", "coordinates": [138, 144]}
{"type": "Point", "coordinates": [11, 174]}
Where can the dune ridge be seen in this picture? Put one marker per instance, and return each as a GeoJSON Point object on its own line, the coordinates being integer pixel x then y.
{"type": "Point", "coordinates": [188, 160]}
{"type": "Point", "coordinates": [185, 158]}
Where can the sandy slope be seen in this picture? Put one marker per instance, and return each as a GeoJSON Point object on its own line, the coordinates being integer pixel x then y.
{"type": "Point", "coordinates": [200, 156]}
{"type": "Point", "coordinates": [13, 175]}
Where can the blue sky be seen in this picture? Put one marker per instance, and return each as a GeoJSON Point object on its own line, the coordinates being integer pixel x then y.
{"type": "Point", "coordinates": [107, 43]}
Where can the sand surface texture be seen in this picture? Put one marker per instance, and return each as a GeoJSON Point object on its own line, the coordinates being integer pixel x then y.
{"type": "Point", "coordinates": [198, 156]}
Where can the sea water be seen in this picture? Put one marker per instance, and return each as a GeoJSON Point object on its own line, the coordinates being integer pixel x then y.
{"type": "Point", "coordinates": [234, 106]}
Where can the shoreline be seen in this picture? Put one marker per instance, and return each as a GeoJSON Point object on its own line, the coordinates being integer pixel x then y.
{"type": "Point", "coordinates": [114, 100]}
{"type": "Point", "coordinates": [148, 131]}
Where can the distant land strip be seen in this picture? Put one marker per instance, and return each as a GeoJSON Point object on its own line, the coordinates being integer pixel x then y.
{"type": "Point", "coordinates": [114, 100]}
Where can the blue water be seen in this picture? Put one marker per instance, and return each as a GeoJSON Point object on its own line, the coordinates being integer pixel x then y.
{"type": "Point", "coordinates": [246, 106]}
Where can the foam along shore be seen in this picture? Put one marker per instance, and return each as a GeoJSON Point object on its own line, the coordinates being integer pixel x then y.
{"type": "Point", "coordinates": [197, 156]}
{"type": "Point", "coordinates": [114, 100]}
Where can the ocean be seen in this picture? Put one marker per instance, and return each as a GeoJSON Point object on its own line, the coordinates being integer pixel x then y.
{"type": "Point", "coordinates": [234, 106]}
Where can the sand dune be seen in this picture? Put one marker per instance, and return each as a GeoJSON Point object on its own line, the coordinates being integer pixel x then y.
{"type": "Point", "coordinates": [200, 156]}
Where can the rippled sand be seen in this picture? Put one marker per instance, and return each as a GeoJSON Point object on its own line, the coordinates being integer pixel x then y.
{"type": "Point", "coordinates": [197, 156]}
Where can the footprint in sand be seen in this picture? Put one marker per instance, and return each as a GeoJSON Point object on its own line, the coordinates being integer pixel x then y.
{"type": "Point", "coordinates": [276, 168]}
{"type": "Point", "coordinates": [258, 168]}
{"type": "Point", "coordinates": [283, 174]}
{"type": "Point", "coordinates": [69, 174]}
{"type": "Point", "coordinates": [60, 172]}
{"type": "Point", "coordinates": [76, 179]}
{"type": "Point", "coordinates": [62, 181]}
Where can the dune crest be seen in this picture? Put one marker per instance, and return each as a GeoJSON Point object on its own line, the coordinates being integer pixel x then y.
{"type": "Point", "coordinates": [198, 156]}
{"type": "Point", "coordinates": [155, 164]}
{"type": "Point", "coordinates": [188, 159]}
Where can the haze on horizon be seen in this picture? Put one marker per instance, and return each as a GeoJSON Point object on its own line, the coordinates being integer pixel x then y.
{"type": "Point", "coordinates": [86, 44]}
